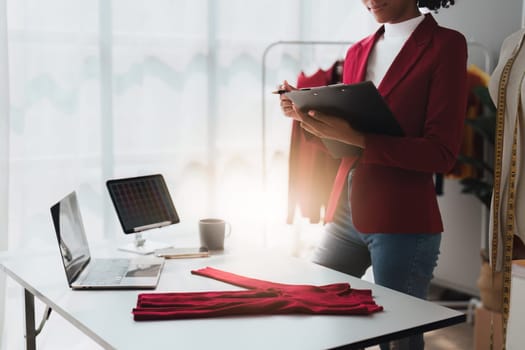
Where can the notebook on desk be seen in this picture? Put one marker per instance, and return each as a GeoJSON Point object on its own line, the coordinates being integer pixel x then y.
{"type": "Point", "coordinates": [84, 272]}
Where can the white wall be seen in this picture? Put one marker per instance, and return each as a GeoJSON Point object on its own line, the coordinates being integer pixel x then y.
{"type": "Point", "coordinates": [485, 21]}
{"type": "Point", "coordinates": [488, 22]}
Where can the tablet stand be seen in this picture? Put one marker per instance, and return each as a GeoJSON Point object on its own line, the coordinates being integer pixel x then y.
{"type": "Point", "coordinates": [141, 246]}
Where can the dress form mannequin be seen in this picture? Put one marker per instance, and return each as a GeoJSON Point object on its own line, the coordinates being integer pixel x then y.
{"type": "Point", "coordinates": [514, 102]}
{"type": "Point", "coordinates": [514, 118]}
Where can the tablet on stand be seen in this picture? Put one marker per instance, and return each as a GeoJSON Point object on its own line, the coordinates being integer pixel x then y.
{"type": "Point", "coordinates": [142, 203]}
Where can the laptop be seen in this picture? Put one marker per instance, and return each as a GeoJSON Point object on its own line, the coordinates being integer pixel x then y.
{"type": "Point", "coordinates": [84, 272]}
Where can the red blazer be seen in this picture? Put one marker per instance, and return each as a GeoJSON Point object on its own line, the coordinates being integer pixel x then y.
{"type": "Point", "coordinates": [425, 87]}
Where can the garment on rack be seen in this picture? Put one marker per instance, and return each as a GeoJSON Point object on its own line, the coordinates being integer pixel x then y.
{"type": "Point", "coordinates": [311, 169]}
{"type": "Point", "coordinates": [472, 145]}
{"type": "Point", "coordinates": [262, 298]}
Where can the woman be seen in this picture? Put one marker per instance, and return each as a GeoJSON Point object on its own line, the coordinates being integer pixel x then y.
{"type": "Point", "coordinates": [383, 209]}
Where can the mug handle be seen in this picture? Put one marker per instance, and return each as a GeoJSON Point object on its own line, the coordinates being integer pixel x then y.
{"type": "Point", "coordinates": [228, 229]}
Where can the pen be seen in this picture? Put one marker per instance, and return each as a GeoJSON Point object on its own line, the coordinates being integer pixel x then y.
{"type": "Point", "coordinates": [279, 92]}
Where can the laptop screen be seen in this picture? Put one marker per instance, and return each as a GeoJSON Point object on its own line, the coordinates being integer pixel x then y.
{"type": "Point", "coordinates": [71, 236]}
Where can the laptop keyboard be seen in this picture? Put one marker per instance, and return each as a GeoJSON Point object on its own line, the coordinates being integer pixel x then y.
{"type": "Point", "coordinates": [106, 272]}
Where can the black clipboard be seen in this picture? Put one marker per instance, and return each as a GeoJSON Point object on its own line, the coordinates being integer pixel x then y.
{"type": "Point", "coordinates": [360, 104]}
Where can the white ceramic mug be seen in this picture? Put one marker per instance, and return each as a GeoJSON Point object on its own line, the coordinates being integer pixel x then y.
{"type": "Point", "coordinates": [212, 233]}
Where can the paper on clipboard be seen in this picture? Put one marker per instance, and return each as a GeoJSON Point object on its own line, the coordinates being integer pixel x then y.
{"type": "Point", "coordinates": [360, 104]}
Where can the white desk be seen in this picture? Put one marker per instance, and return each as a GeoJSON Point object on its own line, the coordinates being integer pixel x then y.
{"type": "Point", "coordinates": [105, 316]}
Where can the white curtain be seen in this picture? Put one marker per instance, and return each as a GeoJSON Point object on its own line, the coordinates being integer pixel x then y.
{"type": "Point", "coordinates": [96, 90]}
{"type": "Point", "coordinates": [4, 151]}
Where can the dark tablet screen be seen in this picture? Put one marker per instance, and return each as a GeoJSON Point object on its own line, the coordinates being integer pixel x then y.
{"type": "Point", "coordinates": [142, 202]}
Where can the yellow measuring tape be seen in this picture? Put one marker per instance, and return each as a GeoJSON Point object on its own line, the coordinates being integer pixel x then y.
{"type": "Point", "coordinates": [508, 231]}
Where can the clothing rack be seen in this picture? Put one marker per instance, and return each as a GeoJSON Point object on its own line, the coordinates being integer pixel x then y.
{"type": "Point", "coordinates": [487, 57]}
{"type": "Point", "coordinates": [264, 92]}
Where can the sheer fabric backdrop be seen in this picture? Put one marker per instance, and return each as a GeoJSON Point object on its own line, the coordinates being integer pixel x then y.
{"type": "Point", "coordinates": [4, 149]}
{"type": "Point", "coordinates": [92, 90]}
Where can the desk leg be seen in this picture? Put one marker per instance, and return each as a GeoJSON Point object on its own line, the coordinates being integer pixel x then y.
{"type": "Point", "coordinates": [30, 320]}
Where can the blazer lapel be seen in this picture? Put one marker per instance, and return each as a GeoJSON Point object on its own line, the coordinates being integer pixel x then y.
{"type": "Point", "coordinates": [408, 56]}
{"type": "Point", "coordinates": [362, 53]}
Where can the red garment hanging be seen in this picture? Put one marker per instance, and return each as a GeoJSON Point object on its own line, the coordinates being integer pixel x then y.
{"type": "Point", "coordinates": [472, 144]}
{"type": "Point", "coordinates": [263, 298]}
{"type": "Point", "coordinates": [311, 169]}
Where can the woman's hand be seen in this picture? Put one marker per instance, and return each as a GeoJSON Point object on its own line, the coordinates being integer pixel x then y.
{"type": "Point", "coordinates": [287, 105]}
{"type": "Point", "coordinates": [321, 125]}
{"type": "Point", "coordinates": [331, 127]}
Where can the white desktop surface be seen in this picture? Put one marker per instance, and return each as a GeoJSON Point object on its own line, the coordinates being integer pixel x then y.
{"type": "Point", "coordinates": [106, 316]}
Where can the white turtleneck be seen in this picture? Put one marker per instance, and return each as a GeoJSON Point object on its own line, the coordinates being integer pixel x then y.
{"type": "Point", "coordinates": [388, 46]}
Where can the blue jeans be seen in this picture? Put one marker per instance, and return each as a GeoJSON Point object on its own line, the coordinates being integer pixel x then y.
{"type": "Point", "coordinates": [404, 262]}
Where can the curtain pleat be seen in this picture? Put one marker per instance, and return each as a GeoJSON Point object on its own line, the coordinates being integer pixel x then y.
{"type": "Point", "coordinates": [4, 152]}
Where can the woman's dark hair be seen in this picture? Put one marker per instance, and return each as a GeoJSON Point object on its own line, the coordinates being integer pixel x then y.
{"type": "Point", "coordinates": [435, 4]}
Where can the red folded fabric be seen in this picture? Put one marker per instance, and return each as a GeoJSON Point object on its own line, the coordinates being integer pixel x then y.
{"type": "Point", "coordinates": [263, 298]}
{"type": "Point", "coordinates": [253, 283]}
